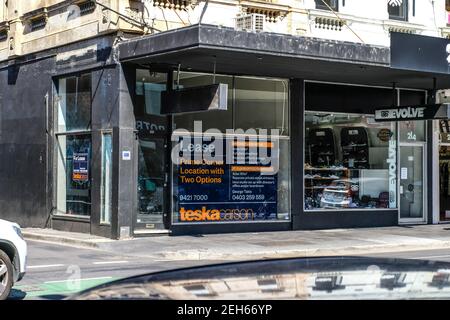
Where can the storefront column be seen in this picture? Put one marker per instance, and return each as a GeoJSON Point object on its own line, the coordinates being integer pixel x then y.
{"type": "Point", "coordinates": [124, 169]}
{"type": "Point", "coordinates": [434, 189]}
{"type": "Point", "coordinates": [105, 116]}
{"type": "Point", "coordinates": [433, 153]}
{"type": "Point", "coordinates": [433, 192]}
{"type": "Point", "coordinates": [297, 154]}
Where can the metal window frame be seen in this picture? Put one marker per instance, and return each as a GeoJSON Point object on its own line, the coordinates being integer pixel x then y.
{"type": "Point", "coordinates": [342, 209]}
{"type": "Point", "coordinates": [103, 133]}
{"type": "Point", "coordinates": [285, 137]}
{"type": "Point", "coordinates": [398, 89]}
{"type": "Point", "coordinates": [321, 6]}
{"type": "Point", "coordinates": [424, 218]}
{"type": "Point", "coordinates": [405, 5]}
{"type": "Point", "coordinates": [55, 137]}
{"type": "Point", "coordinates": [38, 23]}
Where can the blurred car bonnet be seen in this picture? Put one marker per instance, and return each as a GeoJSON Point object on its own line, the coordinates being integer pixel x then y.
{"type": "Point", "coordinates": [302, 278]}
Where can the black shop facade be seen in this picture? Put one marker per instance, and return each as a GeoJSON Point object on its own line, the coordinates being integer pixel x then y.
{"type": "Point", "coordinates": [269, 133]}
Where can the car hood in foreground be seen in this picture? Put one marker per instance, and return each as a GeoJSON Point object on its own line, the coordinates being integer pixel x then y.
{"type": "Point", "coordinates": [302, 278]}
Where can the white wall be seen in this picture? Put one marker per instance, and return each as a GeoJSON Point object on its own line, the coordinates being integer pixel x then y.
{"type": "Point", "coordinates": [368, 19]}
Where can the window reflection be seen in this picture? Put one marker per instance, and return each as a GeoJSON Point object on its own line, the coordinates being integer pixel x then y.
{"type": "Point", "coordinates": [74, 175]}
{"type": "Point", "coordinates": [350, 162]}
{"type": "Point", "coordinates": [74, 152]}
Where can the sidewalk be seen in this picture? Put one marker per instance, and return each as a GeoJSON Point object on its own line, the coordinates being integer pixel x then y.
{"type": "Point", "coordinates": [244, 246]}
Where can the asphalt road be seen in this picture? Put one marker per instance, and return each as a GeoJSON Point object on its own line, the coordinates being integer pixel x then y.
{"type": "Point", "coordinates": [56, 271]}
{"type": "Point", "coordinates": [53, 270]}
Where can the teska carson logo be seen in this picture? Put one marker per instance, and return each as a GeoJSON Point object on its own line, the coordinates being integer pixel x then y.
{"type": "Point", "coordinates": [199, 215]}
{"type": "Point", "coordinates": [205, 214]}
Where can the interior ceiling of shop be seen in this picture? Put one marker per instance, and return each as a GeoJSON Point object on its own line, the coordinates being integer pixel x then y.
{"type": "Point", "coordinates": [243, 63]}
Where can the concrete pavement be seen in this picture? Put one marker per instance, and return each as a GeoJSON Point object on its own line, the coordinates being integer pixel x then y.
{"type": "Point", "coordinates": [242, 246]}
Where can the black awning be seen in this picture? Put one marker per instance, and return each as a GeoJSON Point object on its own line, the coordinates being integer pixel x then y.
{"type": "Point", "coordinates": [275, 55]}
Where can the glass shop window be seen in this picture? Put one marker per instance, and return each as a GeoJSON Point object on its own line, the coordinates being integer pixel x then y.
{"type": "Point", "coordinates": [106, 180]}
{"type": "Point", "coordinates": [327, 4]}
{"type": "Point", "coordinates": [239, 192]}
{"type": "Point", "coordinates": [74, 175]}
{"type": "Point", "coordinates": [215, 119]}
{"type": "Point", "coordinates": [74, 103]}
{"type": "Point", "coordinates": [350, 162]}
{"type": "Point", "coordinates": [74, 145]}
{"type": "Point", "coordinates": [149, 86]}
{"type": "Point", "coordinates": [398, 9]}
{"type": "Point", "coordinates": [261, 104]}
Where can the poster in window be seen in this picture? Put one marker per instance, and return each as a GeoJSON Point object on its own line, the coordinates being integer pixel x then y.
{"type": "Point", "coordinates": [80, 171]}
{"type": "Point", "coordinates": [224, 192]}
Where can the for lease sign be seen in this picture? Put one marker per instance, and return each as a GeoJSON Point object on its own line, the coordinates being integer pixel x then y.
{"type": "Point", "coordinates": [221, 192]}
{"type": "Point", "coordinates": [80, 172]}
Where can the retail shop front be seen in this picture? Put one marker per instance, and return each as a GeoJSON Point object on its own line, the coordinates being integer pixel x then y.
{"type": "Point", "coordinates": [301, 116]}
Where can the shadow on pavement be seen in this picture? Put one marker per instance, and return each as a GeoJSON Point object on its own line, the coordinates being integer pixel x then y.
{"type": "Point", "coordinates": [17, 294]}
{"type": "Point", "coordinates": [53, 297]}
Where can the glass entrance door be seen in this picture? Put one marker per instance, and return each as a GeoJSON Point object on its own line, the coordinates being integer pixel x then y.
{"type": "Point", "coordinates": [151, 184]}
{"type": "Point", "coordinates": [412, 196]}
{"type": "Point", "coordinates": [153, 161]}
{"type": "Point", "coordinates": [444, 184]}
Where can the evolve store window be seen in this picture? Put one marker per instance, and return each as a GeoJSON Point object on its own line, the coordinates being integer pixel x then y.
{"type": "Point", "coordinates": [350, 162]}
{"type": "Point", "coordinates": [219, 191]}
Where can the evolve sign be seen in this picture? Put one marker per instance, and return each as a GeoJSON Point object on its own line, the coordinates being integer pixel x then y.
{"type": "Point", "coordinates": [406, 113]}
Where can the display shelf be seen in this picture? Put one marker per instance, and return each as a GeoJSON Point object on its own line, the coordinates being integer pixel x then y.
{"type": "Point", "coordinates": [355, 142]}
{"type": "Point", "coordinates": [321, 147]}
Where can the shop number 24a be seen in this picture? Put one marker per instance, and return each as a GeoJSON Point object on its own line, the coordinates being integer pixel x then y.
{"type": "Point", "coordinates": [411, 136]}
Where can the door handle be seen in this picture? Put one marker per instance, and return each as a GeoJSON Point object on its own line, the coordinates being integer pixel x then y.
{"type": "Point", "coordinates": [166, 179]}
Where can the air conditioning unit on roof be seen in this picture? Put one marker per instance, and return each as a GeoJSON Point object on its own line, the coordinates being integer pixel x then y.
{"type": "Point", "coordinates": [253, 22]}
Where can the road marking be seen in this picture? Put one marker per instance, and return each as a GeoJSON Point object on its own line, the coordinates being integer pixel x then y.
{"type": "Point", "coordinates": [110, 262]}
{"type": "Point", "coordinates": [162, 260]}
{"type": "Point", "coordinates": [71, 280]}
{"type": "Point", "coordinates": [45, 266]}
{"type": "Point", "coordinates": [433, 257]}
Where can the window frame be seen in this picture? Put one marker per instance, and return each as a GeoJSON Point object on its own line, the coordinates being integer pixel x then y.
{"type": "Point", "coordinates": [285, 137]}
{"type": "Point", "coordinates": [57, 134]}
{"type": "Point", "coordinates": [103, 178]}
{"type": "Point", "coordinates": [56, 157]}
{"type": "Point", "coordinates": [405, 4]}
{"type": "Point", "coordinates": [321, 6]}
{"type": "Point", "coordinates": [339, 210]}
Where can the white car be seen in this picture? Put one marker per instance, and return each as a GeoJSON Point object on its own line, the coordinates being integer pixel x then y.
{"type": "Point", "coordinates": [13, 256]}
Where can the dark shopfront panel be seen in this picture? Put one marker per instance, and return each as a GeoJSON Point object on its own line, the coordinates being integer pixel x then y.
{"type": "Point", "coordinates": [344, 104]}
{"type": "Point", "coordinates": [85, 174]}
{"type": "Point", "coordinates": [321, 97]}
{"type": "Point", "coordinates": [364, 66]}
{"type": "Point", "coordinates": [246, 95]}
